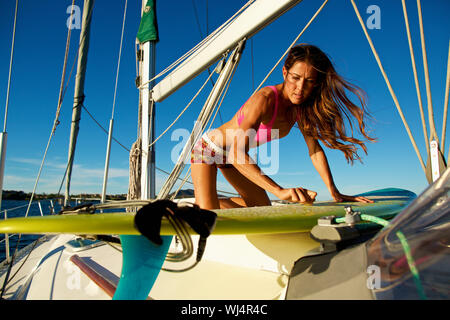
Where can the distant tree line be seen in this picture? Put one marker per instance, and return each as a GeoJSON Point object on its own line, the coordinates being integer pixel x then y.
{"type": "Point", "coordinates": [20, 195]}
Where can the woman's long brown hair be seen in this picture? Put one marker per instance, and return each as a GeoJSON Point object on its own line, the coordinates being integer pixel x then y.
{"type": "Point", "coordinates": [321, 116]}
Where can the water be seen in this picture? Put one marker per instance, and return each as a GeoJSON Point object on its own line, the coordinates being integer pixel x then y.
{"type": "Point", "coordinates": [18, 208]}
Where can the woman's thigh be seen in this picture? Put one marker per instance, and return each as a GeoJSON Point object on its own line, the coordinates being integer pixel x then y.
{"type": "Point", "coordinates": [252, 194]}
{"type": "Point", "coordinates": [204, 178]}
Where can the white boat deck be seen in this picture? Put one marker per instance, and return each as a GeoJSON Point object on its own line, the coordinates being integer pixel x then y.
{"type": "Point", "coordinates": [233, 267]}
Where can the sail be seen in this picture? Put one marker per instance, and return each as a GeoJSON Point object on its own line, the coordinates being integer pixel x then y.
{"type": "Point", "coordinates": [79, 91]}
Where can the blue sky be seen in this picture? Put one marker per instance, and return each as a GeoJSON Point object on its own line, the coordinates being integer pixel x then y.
{"type": "Point", "coordinates": [39, 55]}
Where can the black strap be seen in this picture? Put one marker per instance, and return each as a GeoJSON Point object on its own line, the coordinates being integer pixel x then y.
{"type": "Point", "coordinates": [148, 219]}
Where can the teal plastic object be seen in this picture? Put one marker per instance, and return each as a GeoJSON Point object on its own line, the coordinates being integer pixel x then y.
{"type": "Point", "coordinates": [141, 263]}
{"type": "Point", "coordinates": [390, 192]}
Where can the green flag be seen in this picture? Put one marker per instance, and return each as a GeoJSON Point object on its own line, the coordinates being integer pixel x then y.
{"type": "Point", "coordinates": [148, 29]}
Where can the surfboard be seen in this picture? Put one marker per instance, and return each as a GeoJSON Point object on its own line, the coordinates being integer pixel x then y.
{"type": "Point", "coordinates": [255, 220]}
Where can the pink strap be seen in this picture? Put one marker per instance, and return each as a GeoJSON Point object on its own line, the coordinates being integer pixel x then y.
{"type": "Point", "coordinates": [240, 116]}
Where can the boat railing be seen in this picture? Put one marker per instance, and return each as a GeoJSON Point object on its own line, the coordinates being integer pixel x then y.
{"type": "Point", "coordinates": [5, 216]}
{"type": "Point", "coordinates": [77, 201]}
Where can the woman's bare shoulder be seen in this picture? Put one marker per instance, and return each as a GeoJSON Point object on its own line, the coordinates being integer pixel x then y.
{"type": "Point", "coordinates": [266, 93]}
{"type": "Point", "coordinates": [263, 100]}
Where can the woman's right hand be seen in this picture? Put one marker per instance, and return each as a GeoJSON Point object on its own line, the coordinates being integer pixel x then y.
{"type": "Point", "coordinates": [297, 195]}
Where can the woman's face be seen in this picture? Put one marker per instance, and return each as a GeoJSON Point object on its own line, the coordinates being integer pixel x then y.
{"type": "Point", "coordinates": [299, 82]}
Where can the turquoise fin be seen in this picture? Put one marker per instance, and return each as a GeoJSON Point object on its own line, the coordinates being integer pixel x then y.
{"type": "Point", "coordinates": [141, 262]}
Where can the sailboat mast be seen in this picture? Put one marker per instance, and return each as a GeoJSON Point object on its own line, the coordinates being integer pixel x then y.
{"type": "Point", "coordinates": [148, 50]}
{"type": "Point", "coordinates": [79, 90]}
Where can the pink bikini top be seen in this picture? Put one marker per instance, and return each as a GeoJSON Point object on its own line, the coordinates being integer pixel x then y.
{"type": "Point", "coordinates": [264, 130]}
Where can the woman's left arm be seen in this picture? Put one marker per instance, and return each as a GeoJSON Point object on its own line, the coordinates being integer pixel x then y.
{"type": "Point", "coordinates": [320, 162]}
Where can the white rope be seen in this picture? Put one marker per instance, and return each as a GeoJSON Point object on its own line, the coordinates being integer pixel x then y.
{"type": "Point", "coordinates": [134, 183]}
{"type": "Point", "coordinates": [389, 85]}
{"type": "Point", "coordinates": [416, 79]}
{"type": "Point", "coordinates": [433, 134]}
{"type": "Point", "coordinates": [292, 44]}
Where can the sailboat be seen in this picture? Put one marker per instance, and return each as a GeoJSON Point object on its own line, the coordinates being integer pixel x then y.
{"type": "Point", "coordinates": [256, 263]}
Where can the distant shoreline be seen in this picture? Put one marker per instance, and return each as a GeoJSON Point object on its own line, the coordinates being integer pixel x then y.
{"type": "Point", "coordinates": [21, 195]}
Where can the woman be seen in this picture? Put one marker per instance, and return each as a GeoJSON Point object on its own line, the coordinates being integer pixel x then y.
{"type": "Point", "coordinates": [312, 95]}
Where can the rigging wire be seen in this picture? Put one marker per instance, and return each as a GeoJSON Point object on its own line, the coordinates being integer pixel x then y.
{"type": "Point", "coordinates": [194, 49]}
{"type": "Point", "coordinates": [292, 44]}
{"type": "Point", "coordinates": [103, 128]}
{"type": "Point", "coordinates": [201, 36]}
{"type": "Point", "coordinates": [433, 134]}
{"type": "Point", "coordinates": [203, 118]}
{"type": "Point", "coordinates": [55, 123]}
{"type": "Point", "coordinates": [184, 110]}
{"type": "Point", "coordinates": [416, 80]}
{"type": "Point", "coordinates": [391, 90]}
{"type": "Point", "coordinates": [184, 57]}
{"type": "Point", "coordinates": [126, 149]}
{"type": "Point", "coordinates": [60, 101]}
{"type": "Point", "coordinates": [120, 55]}
{"type": "Point", "coordinates": [195, 96]}
{"type": "Point", "coordinates": [8, 279]}
{"type": "Point", "coordinates": [187, 176]}
{"type": "Point", "coordinates": [4, 130]}
{"type": "Point", "coordinates": [62, 91]}
{"type": "Point", "coordinates": [111, 121]}
{"type": "Point", "coordinates": [10, 66]}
